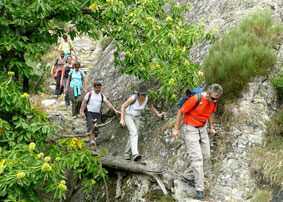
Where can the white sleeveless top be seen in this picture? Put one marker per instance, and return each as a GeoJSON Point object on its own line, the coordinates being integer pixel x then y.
{"type": "Point", "coordinates": [135, 108]}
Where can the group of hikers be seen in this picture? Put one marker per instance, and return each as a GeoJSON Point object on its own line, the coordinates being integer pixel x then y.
{"type": "Point", "coordinates": [197, 110]}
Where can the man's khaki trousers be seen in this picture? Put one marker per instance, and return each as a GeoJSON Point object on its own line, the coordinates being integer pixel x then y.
{"type": "Point", "coordinates": [197, 144]}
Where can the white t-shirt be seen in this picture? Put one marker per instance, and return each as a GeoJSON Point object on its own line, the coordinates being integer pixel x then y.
{"type": "Point", "coordinates": [135, 108]}
{"type": "Point", "coordinates": [95, 101]}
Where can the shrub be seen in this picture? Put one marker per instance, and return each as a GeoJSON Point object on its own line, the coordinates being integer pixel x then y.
{"type": "Point", "coordinates": [244, 52]}
{"type": "Point", "coordinates": [105, 42]}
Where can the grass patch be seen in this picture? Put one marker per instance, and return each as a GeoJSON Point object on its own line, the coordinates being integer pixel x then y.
{"type": "Point", "coordinates": [267, 161]}
{"type": "Point", "coordinates": [105, 41]}
{"type": "Point", "coordinates": [244, 52]}
{"type": "Point", "coordinates": [262, 196]}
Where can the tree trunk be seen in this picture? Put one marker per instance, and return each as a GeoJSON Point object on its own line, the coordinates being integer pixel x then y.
{"type": "Point", "coordinates": [25, 84]}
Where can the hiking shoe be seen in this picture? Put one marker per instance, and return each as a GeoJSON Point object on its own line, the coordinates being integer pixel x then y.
{"type": "Point", "coordinates": [199, 195]}
{"type": "Point", "coordinates": [127, 157]}
{"type": "Point", "coordinates": [92, 142]}
{"type": "Point", "coordinates": [136, 157]}
{"type": "Point", "coordinates": [191, 183]}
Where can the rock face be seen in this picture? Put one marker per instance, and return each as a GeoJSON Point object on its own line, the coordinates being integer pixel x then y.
{"type": "Point", "coordinates": [230, 179]}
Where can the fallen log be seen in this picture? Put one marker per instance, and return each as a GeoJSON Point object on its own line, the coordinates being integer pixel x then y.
{"type": "Point", "coordinates": [129, 166]}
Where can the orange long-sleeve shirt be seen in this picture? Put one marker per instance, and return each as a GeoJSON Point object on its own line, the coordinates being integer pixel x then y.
{"type": "Point", "coordinates": [200, 114]}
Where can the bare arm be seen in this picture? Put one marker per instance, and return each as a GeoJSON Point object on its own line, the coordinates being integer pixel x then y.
{"type": "Point", "coordinates": [84, 83]}
{"type": "Point", "coordinates": [68, 83]}
{"type": "Point", "coordinates": [150, 106]}
{"type": "Point", "coordinates": [52, 69]}
{"type": "Point", "coordinates": [111, 107]}
{"type": "Point", "coordinates": [177, 124]}
{"type": "Point", "coordinates": [62, 75]}
{"type": "Point", "coordinates": [123, 108]}
{"type": "Point", "coordinates": [83, 107]}
{"type": "Point", "coordinates": [211, 120]}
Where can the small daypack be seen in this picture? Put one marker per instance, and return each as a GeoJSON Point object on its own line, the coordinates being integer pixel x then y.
{"type": "Point", "coordinates": [89, 96]}
{"type": "Point", "coordinates": [190, 93]}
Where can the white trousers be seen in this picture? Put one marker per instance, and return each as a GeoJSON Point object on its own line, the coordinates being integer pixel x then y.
{"type": "Point", "coordinates": [133, 123]}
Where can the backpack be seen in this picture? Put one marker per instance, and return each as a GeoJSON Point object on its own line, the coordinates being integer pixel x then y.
{"type": "Point", "coordinates": [89, 96]}
{"type": "Point", "coordinates": [190, 93]}
{"type": "Point", "coordinates": [72, 73]}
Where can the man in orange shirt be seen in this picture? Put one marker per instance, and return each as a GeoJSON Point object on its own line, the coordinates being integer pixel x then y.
{"type": "Point", "coordinates": [195, 134]}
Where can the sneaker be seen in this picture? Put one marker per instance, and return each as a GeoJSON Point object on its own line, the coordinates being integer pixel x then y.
{"type": "Point", "coordinates": [199, 195]}
{"type": "Point", "coordinates": [127, 157]}
{"type": "Point", "coordinates": [136, 157]}
{"type": "Point", "coordinates": [191, 183]}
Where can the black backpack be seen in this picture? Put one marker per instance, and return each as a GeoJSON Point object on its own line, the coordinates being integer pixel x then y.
{"type": "Point", "coordinates": [67, 70]}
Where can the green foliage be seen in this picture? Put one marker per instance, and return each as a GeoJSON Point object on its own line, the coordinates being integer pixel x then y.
{"type": "Point", "coordinates": [244, 52]}
{"type": "Point", "coordinates": [278, 84]}
{"type": "Point", "coordinates": [27, 28]}
{"type": "Point", "coordinates": [25, 171]}
{"type": "Point", "coordinates": [155, 43]}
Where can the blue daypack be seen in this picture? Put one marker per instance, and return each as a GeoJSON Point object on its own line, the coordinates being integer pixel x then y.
{"type": "Point", "coordinates": [190, 93]}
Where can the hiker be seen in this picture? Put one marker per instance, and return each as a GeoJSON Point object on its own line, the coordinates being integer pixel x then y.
{"type": "Point", "coordinates": [131, 117]}
{"type": "Point", "coordinates": [67, 46]}
{"type": "Point", "coordinates": [195, 134]}
{"type": "Point", "coordinates": [77, 83]}
{"type": "Point", "coordinates": [64, 77]}
{"type": "Point", "coordinates": [58, 65]}
{"type": "Point", "coordinates": [92, 104]}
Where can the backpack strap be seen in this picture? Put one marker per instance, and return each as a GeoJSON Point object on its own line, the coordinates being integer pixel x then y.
{"type": "Point", "coordinates": [199, 99]}
{"type": "Point", "coordinates": [56, 62]}
{"type": "Point", "coordinates": [101, 97]}
{"type": "Point", "coordinates": [81, 75]}
{"type": "Point", "coordinates": [89, 96]}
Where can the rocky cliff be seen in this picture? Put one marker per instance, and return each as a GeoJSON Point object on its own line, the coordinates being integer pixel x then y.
{"type": "Point", "coordinates": [229, 178]}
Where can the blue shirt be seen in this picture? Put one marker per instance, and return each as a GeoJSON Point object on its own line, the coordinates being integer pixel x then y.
{"type": "Point", "coordinates": [76, 78]}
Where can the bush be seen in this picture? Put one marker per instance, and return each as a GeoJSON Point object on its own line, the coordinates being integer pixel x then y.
{"type": "Point", "coordinates": [105, 42]}
{"type": "Point", "coordinates": [242, 53]}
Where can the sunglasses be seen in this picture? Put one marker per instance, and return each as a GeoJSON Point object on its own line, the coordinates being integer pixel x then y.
{"type": "Point", "coordinates": [213, 98]}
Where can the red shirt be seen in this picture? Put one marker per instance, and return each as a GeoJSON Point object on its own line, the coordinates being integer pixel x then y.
{"type": "Point", "coordinates": [200, 114]}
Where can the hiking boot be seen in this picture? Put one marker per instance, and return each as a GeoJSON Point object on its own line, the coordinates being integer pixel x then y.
{"type": "Point", "coordinates": [136, 157]}
{"type": "Point", "coordinates": [127, 157]}
{"type": "Point", "coordinates": [191, 183]}
{"type": "Point", "coordinates": [199, 195]}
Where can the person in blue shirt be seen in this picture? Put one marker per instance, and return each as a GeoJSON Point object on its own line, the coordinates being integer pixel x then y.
{"type": "Point", "coordinates": [78, 89]}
